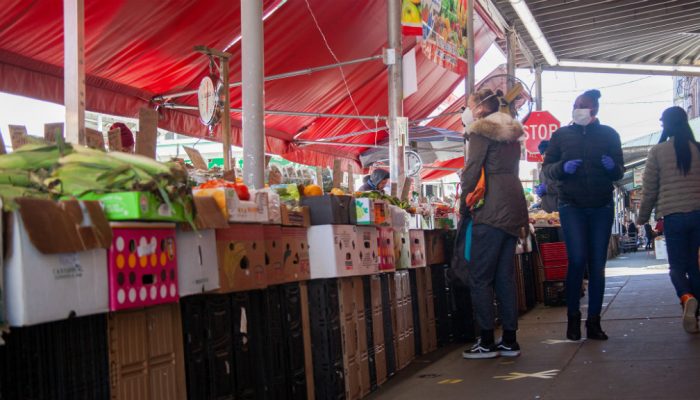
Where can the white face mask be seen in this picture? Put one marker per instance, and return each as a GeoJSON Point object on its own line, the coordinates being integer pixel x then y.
{"type": "Point", "coordinates": [582, 116]}
{"type": "Point", "coordinates": [467, 117]}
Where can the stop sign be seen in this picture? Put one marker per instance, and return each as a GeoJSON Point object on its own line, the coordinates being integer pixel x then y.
{"type": "Point", "coordinates": [538, 126]}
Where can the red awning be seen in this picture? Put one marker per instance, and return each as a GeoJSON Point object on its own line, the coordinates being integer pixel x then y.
{"type": "Point", "coordinates": [137, 49]}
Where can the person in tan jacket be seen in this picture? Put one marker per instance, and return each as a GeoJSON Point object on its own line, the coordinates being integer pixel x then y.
{"type": "Point", "coordinates": [671, 183]}
{"type": "Point", "coordinates": [496, 222]}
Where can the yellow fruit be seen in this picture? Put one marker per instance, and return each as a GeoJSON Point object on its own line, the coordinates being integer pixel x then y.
{"type": "Point", "coordinates": [313, 190]}
{"type": "Point", "coordinates": [410, 13]}
{"type": "Point", "coordinates": [337, 192]}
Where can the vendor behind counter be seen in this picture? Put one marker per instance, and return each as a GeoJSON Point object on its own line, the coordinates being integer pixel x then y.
{"type": "Point", "coordinates": [377, 180]}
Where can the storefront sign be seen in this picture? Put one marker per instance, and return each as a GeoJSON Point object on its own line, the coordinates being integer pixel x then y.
{"type": "Point", "coordinates": [638, 177]}
{"type": "Point", "coordinates": [444, 36]}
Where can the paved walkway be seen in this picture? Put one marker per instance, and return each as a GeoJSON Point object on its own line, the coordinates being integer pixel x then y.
{"type": "Point", "coordinates": [648, 356]}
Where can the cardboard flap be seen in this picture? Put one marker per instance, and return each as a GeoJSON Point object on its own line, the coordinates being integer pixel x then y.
{"type": "Point", "coordinates": [208, 214]}
{"type": "Point", "coordinates": [62, 228]}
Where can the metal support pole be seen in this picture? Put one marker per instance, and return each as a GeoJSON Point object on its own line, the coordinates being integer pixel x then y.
{"type": "Point", "coordinates": [253, 98]}
{"type": "Point", "coordinates": [538, 87]}
{"type": "Point", "coordinates": [226, 118]}
{"type": "Point", "coordinates": [396, 143]}
{"type": "Point", "coordinates": [512, 54]}
{"type": "Point", "coordinates": [471, 61]}
{"type": "Point", "coordinates": [74, 69]}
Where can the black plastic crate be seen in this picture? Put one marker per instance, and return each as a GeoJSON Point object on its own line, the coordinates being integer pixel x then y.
{"type": "Point", "coordinates": [388, 325]}
{"type": "Point", "coordinates": [248, 345]}
{"type": "Point", "coordinates": [463, 324]}
{"type": "Point", "coordinates": [369, 331]}
{"type": "Point", "coordinates": [529, 279]}
{"type": "Point", "coordinates": [294, 335]}
{"type": "Point", "coordinates": [548, 235]}
{"type": "Point", "coordinates": [554, 293]}
{"type": "Point", "coordinates": [443, 304]}
{"type": "Point", "coordinates": [413, 280]}
{"type": "Point", "coordinates": [326, 339]}
{"type": "Point", "coordinates": [58, 360]}
{"type": "Point", "coordinates": [275, 359]}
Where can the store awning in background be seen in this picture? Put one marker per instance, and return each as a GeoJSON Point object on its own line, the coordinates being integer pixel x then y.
{"type": "Point", "coordinates": [135, 50]}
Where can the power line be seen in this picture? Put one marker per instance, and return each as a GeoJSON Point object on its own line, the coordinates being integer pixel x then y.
{"type": "Point", "coordinates": [604, 87]}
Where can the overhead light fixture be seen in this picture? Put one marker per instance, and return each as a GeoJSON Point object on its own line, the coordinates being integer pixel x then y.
{"type": "Point", "coordinates": [534, 30]}
{"type": "Point", "coordinates": [622, 66]}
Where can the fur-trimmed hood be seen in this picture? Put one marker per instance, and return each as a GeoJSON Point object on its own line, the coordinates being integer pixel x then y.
{"type": "Point", "coordinates": [498, 126]}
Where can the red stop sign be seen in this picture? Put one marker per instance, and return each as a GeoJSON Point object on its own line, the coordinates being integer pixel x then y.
{"type": "Point", "coordinates": [538, 126]}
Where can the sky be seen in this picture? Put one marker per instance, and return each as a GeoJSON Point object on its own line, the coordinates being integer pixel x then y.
{"type": "Point", "coordinates": [631, 104]}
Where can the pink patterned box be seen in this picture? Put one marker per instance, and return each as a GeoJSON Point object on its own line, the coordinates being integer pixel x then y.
{"type": "Point", "coordinates": [386, 250]}
{"type": "Point", "coordinates": [142, 265]}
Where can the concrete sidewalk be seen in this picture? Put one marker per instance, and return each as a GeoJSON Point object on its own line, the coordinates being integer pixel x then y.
{"type": "Point", "coordinates": [648, 356]}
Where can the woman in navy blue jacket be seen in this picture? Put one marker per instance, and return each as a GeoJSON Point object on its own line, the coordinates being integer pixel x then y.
{"type": "Point", "coordinates": [585, 158]}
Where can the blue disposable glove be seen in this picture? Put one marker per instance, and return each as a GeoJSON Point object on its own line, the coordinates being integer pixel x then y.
{"type": "Point", "coordinates": [541, 189]}
{"type": "Point", "coordinates": [607, 162]}
{"type": "Point", "coordinates": [571, 166]}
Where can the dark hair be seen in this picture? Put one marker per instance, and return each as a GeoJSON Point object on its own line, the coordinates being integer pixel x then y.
{"type": "Point", "coordinates": [593, 94]}
{"type": "Point", "coordinates": [676, 126]}
{"type": "Point", "coordinates": [488, 99]}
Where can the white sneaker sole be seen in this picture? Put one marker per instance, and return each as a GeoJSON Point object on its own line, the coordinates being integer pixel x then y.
{"type": "Point", "coordinates": [690, 321]}
{"type": "Point", "coordinates": [509, 353]}
{"type": "Point", "coordinates": [479, 356]}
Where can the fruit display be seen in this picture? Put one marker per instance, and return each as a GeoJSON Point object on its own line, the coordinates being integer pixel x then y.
{"type": "Point", "coordinates": [376, 195]}
{"type": "Point", "coordinates": [313, 190]}
{"type": "Point", "coordinates": [541, 218]}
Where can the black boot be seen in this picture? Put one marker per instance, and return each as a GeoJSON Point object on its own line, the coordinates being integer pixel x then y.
{"type": "Point", "coordinates": [573, 328]}
{"type": "Point", "coordinates": [593, 329]}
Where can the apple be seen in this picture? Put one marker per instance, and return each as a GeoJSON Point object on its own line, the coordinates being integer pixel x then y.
{"type": "Point", "coordinates": [410, 13]}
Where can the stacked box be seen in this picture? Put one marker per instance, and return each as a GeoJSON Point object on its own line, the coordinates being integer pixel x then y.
{"type": "Point", "coordinates": [197, 267]}
{"type": "Point", "coordinates": [405, 336]}
{"type": "Point", "coordinates": [413, 275]}
{"type": "Point", "coordinates": [417, 248]}
{"type": "Point", "coordinates": [60, 360]}
{"type": "Point", "coordinates": [326, 339]}
{"type": "Point", "coordinates": [386, 250]}
{"type": "Point", "coordinates": [424, 311]}
{"type": "Point", "coordinates": [274, 254]}
{"type": "Point", "coordinates": [331, 210]}
{"type": "Point", "coordinates": [378, 338]}
{"type": "Point", "coordinates": [306, 329]}
{"type": "Point", "coordinates": [386, 281]}
{"type": "Point", "coordinates": [241, 254]}
{"type": "Point", "coordinates": [333, 251]}
{"type": "Point", "coordinates": [435, 245]}
{"type": "Point", "coordinates": [368, 250]}
{"type": "Point", "coordinates": [142, 265]}
{"type": "Point", "coordinates": [352, 356]}
{"type": "Point", "coordinates": [146, 353]}
{"type": "Point", "coordinates": [402, 249]}
{"type": "Point", "coordinates": [295, 257]}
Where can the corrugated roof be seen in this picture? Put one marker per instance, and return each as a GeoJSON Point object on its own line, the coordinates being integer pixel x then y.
{"type": "Point", "coordinates": [664, 32]}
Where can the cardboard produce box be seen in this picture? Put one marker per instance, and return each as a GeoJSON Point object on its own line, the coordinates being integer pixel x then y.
{"type": "Point", "coordinates": [333, 251]}
{"type": "Point", "coordinates": [386, 250]}
{"type": "Point", "coordinates": [298, 216]}
{"type": "Point", "coordinates": [372, 212]}
{"type": "Point", "coordinates": [56, 261]}
{"type": "Point", "coordinates": [142, 265]}
{"type": "Point", "coordinates": [138, 206]}
{"type": "Point", "coordinates": [435, 242]}
{"type": "Point", "coordinates": [274, 254]}
{"type": "Point", "coordinates": [417, 248]}
{"type": "Point", "coordinates": [296, 257]}
{"type": "Point", "coordinates": [331, 210]}
{"type": "Point", "coordinates": [255, 210]}
{"type": "Point", "coordinates": [368, 250]}
{"type": "Point", "coordinates": [402, 250]}
{"type": "Point", "coordinates": [240, 250]}
{"type": "Point", "coordinates": [197, 266]}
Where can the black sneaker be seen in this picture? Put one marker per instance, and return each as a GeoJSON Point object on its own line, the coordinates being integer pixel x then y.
{"type": "Point", "coordinates": [508, 349]}
{"type": "Point", "coordinates": [481, 351]}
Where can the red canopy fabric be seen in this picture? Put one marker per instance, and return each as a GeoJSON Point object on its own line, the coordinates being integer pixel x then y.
{"type": "Point", "coordinates": [137, 49]}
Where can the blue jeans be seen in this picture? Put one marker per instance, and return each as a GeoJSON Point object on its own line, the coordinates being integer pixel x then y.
{"type": "Point", "coordinates": [587, 235]}
{"type": "Point", "coordinates": [682, 232]}
{"type": "Point", "coordinates": [492, 268]}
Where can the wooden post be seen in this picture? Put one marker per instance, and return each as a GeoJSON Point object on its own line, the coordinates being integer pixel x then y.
{"type": "Point", "coordinates": [74, 69]}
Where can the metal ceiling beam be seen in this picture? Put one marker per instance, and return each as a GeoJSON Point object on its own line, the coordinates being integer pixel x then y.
{"type": "Point", "coordinates": [676, 24]}
{"type": "Point", "coordinates": [620, 10]}
{"type": "Point", "coordinates": [622, 47]}
{"type": "Point", "coordinates": [618, 71]}
{"type": "Point", "coordinates": [682, 51]}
